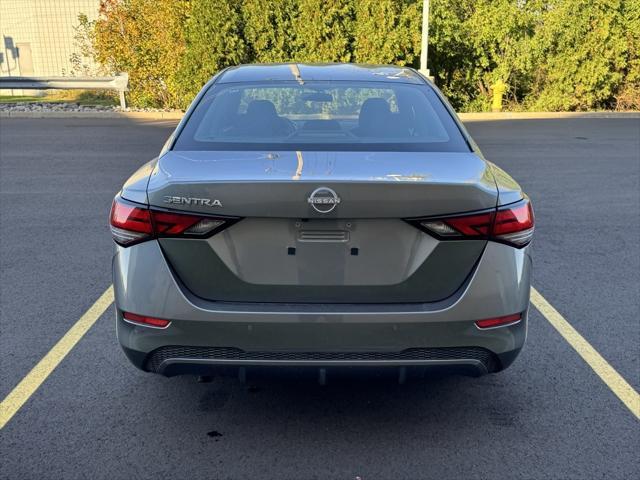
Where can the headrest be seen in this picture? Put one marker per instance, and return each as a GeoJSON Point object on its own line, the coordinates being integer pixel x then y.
{"type": "Point", "coordinates": [374, 114]}
{"type": "Point", "coordinates": [261, 108]}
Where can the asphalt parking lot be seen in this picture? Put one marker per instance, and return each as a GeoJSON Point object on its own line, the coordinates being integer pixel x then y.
{"type": "Point", "coordinates": [95, 416]}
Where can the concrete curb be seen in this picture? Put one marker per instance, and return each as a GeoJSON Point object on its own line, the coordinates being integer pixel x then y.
{"type": "Point", "coordinates": [482, 116]}
{"type": "Point", "coordinates": [467, 117]}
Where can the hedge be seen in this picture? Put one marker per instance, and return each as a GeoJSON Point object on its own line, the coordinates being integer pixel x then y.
{"type": "Point", "coordinates": [553, 55]}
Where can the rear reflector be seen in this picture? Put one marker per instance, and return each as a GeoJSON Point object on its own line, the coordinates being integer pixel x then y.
{"type": "Point", "coordinates": [512, 224]}
{"type": "Point", "coordinates": [146, 321]}
{"type": "Point", "coordinates": [499, 321]}
{"type": "Point", "coordinates": [133, 223]}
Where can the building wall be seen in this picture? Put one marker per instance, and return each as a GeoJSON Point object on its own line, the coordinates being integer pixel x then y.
{"type": "Point", "coordinates": [38, 35]}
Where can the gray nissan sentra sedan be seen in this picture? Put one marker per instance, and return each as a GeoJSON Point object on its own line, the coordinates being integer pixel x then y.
{"type": "Point", "coordinates": [321, 216]}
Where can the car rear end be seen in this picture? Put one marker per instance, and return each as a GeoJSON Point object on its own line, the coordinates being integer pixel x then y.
{"type": "Point", "coordinates": [321, 223]}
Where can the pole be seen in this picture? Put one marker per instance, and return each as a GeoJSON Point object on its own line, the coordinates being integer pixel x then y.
{"type": "Point", "coordinates": [425, 38]}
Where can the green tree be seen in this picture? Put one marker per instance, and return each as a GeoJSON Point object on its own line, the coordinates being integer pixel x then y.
{"type": "Point", "coordinates": [269, 29]}
{"type": "Point", "coordinates": [581, 55]}
{"type": "Point", "coordinates": [451, 54]}
{"type": "Point", "coordinates": [475, 43]}
{"type": "Point", "coordinates": [214, 40]}
{"type": "Point", "coordinates": [387, 31]}
{"type": "Point", "coordinates": [628, 96]}
{"type": "Point", "coordinates": [501, 34]}
{"type": "Point", "coordinates": [145, 39]}
{"type": "Point", "coordinates": [82, 59]}
{"type": "Point", "coordinates": [324, 31]}
{"type": "Point", "coordinates": [553, 54]}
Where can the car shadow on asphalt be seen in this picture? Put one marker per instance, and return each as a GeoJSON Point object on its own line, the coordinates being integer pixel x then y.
{"type": "Point", "coordinates": [359, 403]}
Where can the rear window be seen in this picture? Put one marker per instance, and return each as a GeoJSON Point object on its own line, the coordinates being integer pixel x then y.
{"type": "Point", "coordinates": [351, 116]}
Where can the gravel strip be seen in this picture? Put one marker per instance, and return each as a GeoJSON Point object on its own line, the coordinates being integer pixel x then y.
{"type": "Point", "coordinates": [54, 107]}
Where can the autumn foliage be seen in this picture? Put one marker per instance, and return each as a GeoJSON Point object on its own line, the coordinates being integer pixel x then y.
{"type": "Point", "coordinates": [552, 54]}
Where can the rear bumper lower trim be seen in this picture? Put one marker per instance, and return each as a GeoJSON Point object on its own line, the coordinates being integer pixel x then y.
{"type": "Point", "coordinates": [161, 359]}
{"type": "Point", "coordinates": [321, 363]}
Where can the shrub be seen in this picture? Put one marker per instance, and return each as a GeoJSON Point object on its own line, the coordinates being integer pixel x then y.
{"type": "Point", "coordinates": [269, 29]}
{"type": "Point", "coordinates": [581, 55]}
{"type": "Point", "coordinates": [387, 31]}
{"type": "Point", "coordinates": [214, 40]}
{"type": "Point", "coordinates": [552, 54]}
{"type": "Point", "coordinates": [145, 39]}
{"type": "Point", "coordinates": [324, 32]}
{"type": "Point", "coordinates": [628, 96]}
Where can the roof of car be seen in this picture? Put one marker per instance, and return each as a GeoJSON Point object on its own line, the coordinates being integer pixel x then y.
{"type": "Point", "coordinates": [319, 71]}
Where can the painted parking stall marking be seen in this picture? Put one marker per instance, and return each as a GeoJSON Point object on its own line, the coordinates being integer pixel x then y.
{"type": "Point", "coordinates": [29, 384]}
{"type": "Point", "coordinates": [38, 374]}
{"type": "Point", "coordinates": [603, 369]}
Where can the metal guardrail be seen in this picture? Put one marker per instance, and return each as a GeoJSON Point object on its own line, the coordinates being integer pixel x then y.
{"type": "Point", "coordinates": [119, 83]}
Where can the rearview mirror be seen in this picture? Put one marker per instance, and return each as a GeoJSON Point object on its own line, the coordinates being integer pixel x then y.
{"type": "Point", "coordinates": [317, 97]}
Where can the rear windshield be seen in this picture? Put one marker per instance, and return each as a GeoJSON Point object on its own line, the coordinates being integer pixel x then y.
{"type": "Point", "coordinates": [324, 116]}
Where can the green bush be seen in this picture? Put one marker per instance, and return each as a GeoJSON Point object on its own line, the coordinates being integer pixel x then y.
{"type": "Point", "coordinates": [551, 54]}
{"type": "Point", "coordinates": [628, 96]}
{"type": "Point", "coordinates": [214, 40]}
{"type": "Point", "coordinates": [145, 39]}
{"type": "Point", "coordinates": [324, 31]}
{"type": "Point", "coordinates": [269, 29]}
{"type": "Point", "coordinates": [387, 31]}
{"type": "Point", "coordinates": [581, 55]}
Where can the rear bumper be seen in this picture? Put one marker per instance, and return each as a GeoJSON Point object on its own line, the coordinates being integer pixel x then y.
{"type": "Point", "coordinates": [176, 360]}
{"type": "Point", "coordinates": [205, 335]}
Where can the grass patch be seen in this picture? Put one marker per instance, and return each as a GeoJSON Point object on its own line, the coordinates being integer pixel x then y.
{"type": "Point", "coordinates": [81, 97]}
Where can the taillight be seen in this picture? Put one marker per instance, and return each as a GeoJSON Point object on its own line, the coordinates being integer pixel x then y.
{"type": "Point", "coordinates": [512, 224]}
{"type": "Point", "coordinates": [478, 225]}
{"type": "Point", "coordinates": [129, 223]}
{"type": "Point", "coordinates": [168, 224]}
{"type": "Point", "coordinates": [133, 223]}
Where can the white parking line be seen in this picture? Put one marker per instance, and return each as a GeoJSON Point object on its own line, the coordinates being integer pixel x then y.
{"type": "Point", "coordinates": [605, 371]}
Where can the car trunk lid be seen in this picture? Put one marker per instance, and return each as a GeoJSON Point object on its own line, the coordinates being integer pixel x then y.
{"type": "Point", "coordinates": [285, 249]}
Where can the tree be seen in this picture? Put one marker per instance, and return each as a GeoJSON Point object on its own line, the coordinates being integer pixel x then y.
{"type": "Point", "coordinates": [145, 39]}
{"type": "Point", "coordinates": [214, 40]}
{"type": "Point", "coordinates": [553, 54]}
{"type": "Point", "coordinates": [581, 55]}
{"type": "Point", "coordinates": [628, 96]}
{"type": "Point", "coordinates": [475, 43]}
{"type": "Point", "coordinates": [324, 32]}
{"type": "Point", "coordinates": [387, 31]}
{"type": "Point", "coordinates": [502, 31]}
{"type": "Point", "coordinates": [82, 59]}
{"type": "Point", "coordinates": [451, 54]}
{"type": "Point", "coordinates": [269, 29]}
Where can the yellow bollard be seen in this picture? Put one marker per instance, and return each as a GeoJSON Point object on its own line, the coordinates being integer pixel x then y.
{"type": "Point", "coordinates": [498, 88]}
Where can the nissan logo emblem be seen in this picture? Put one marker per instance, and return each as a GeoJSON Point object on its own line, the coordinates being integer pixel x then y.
{"type": "Point", "coordinates": [323, 200]}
